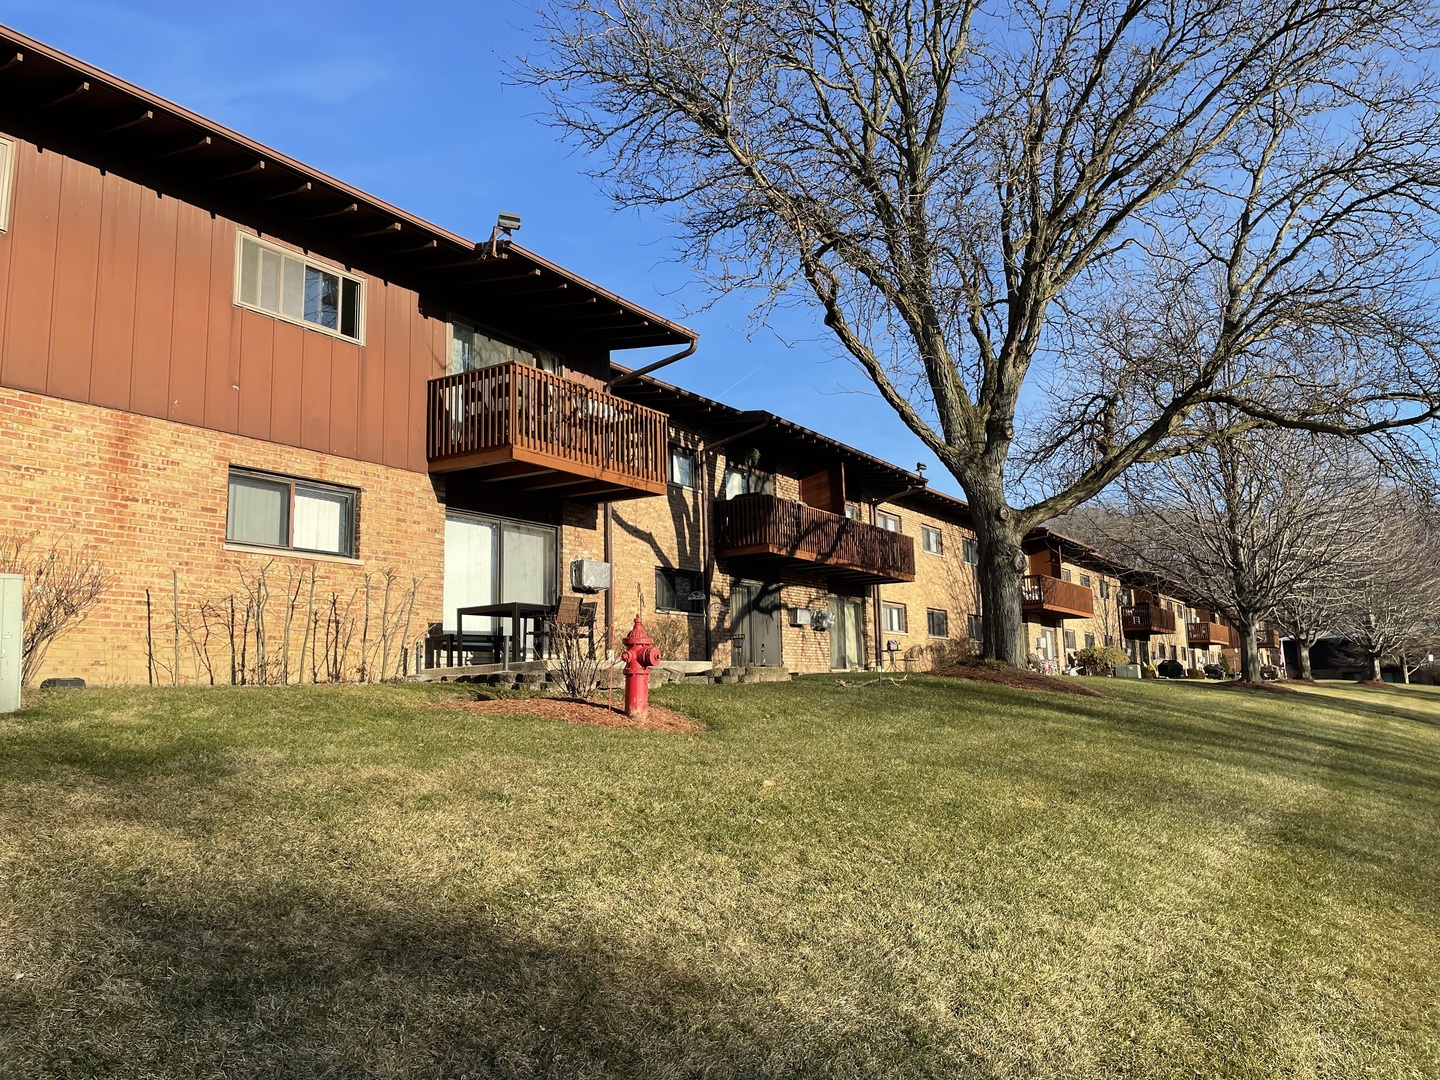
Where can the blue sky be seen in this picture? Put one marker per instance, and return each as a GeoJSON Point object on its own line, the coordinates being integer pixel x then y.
{"type": "Point", "coordinates": [408, 101]}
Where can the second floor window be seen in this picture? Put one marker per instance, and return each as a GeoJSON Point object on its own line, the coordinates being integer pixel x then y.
{"type": "Point", "coordinates": [740, 481]}
{"type": "Point", "coordinates": [893, 618]}
{"type": "Point", "coordinates": [7, 180]}
{"type": "Point", "coordinates": [300, 290]}
{"type": "Point", "coordinates": [888, 522]}
{"type": "Point", "coordinates": [278, 512]}
{"type": "Point", "coordinates": [1104, 589]}
{"type": "Point", "coordinates": [471, 349]}
{"type": "Point", "coordinates": [1085, 580]}
{"type": "Point", "coordinates": [931, 541]}
{"type": "Point", "coordinates": [682, 467]}
{"type": "Point", "coordinates": [970, 551]}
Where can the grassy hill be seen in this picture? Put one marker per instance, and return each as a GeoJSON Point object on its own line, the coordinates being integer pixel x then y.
{"type": "Point", "coordinates": [926, 879]}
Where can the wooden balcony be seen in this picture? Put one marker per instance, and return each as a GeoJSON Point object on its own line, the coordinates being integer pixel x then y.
{"type": "Point", "coordinates": [1201, 635]}
{"type": "Point", "coordinates": [1267, 637]}
{"type": "Point", "coordinates": [1142, 620]}
{"type": "Point", "coordinates": [528, 430]}
{"type": "Point", "coordinates": [1044, 595]}
{"type": "Point", "coordinates": [787, 535]}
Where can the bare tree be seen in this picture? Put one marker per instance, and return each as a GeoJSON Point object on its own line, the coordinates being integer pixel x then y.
{"type": "Point", "coordinates": [1134, 208]}
{"type": "Point", "coordinates": [1247, 522]}
{"type": "Point", "coordinates": [1394, 603]}
{"type": "Point", "coordinates": [61, 588]}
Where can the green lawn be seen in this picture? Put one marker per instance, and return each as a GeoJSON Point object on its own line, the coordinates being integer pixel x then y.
{"type": "Point", "coordinates": [926, 879]}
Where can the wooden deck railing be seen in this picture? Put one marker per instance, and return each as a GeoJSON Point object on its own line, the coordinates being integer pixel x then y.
{"type": "Point", "coordinates": [1039, 592]}
{"type": "Point", "coordinates": [520, 406]}
{"type": "Point", "coordinates": [1202, 633]}
{"type": "Point", "coordinates": [1147, 619]}
{"type": "Point", "coordinates": [765, 524]}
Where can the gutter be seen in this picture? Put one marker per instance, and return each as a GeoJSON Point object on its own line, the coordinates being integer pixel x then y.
{"type": "Point", "coordinates": [681, 355]}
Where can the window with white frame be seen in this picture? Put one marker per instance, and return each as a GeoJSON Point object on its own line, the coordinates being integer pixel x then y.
{"type": "Point", "coordinates": [888, 522]}
{"type": "Point", "coordinates": [682, 466]}
{"type": "Point", "coordinates": [1085, 581]}
{"type": "Point", "coordinates": [279, 512]}
{"type": "Point", "coordinates": [970, 551]}
{"type": "Point", "coordinates": [931, 540]}
{"type": "Point", "coordinates": [471, 348]}
{"type": "Point", "coordinates": [893, 618]}
{"type": "Point", "coordinates": [7, 181]}
{"type": "Point", "coordinates": [297, 289]}
{"type": "Point", "coordinates": [937, 622]}
{"type": "Point", "coordinates": [1069, 639]}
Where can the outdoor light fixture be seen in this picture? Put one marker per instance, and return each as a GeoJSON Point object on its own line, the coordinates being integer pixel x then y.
{"type": "Point", "coordinates": [507, 222]}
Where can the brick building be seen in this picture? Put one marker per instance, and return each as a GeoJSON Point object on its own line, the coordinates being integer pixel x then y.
{"type": "Point", "coordinates": [301, 428]}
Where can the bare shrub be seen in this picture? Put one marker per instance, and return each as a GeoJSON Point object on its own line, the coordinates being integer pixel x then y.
{"type": "Point", "coordinates": [61, 588]}
{"type": "Point", "coordinates": [671, 634]}
{"type": "Point", "coordinates": [576, 666]}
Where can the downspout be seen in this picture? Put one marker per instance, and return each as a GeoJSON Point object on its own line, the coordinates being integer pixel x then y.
{"type": "Point", "coordinates": [610, 592]}
{"type": "Point", "coordinates": [628, 376]}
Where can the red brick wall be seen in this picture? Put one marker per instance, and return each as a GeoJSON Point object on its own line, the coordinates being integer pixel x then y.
{"type": "Point", "coordinates": [149, 497]}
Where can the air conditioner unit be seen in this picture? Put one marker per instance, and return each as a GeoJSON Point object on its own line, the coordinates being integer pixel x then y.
{"type": "Point", "coordinates": [589, 575]}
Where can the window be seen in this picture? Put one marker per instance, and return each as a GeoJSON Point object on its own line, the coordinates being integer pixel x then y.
{"type": "Point", "coordinates": [1069, 639]}
{"type": "Point", "coordinates": [975, 627]}
{"type": "Point", "coordinates": [930, 540]}
{"type": "Point", "coordinates": [1066, 575]}
{"type": "Point", "coordinates": [893, 618]}
{"type": "Point", "coordinates": [7, 181]}
{"type": "Point", "coordinates": [937, 622]}
{"type": "Point", "coordinates": [471, 349]}
{"type": "Point", "coordinates": [275, 511]}
{"type": "Point", "coordinates": [1104, 589]}
{"type": "Point", "coordinates": [679, 590]}
{"type": "Point", "coordinates": [682, 467]}
{"type": "Point", "coordinates": [888, 522]}
{"type": "Point", "coordinates": [1089, 641]}
{"type": "Point", "coordinates": [852, 512]}
{"type": "Point", "coordinates": [1109, 641]}
{"type": "Point", "coordinates": [741, 481]}
{"type": "Point", "coordinates": [298, 290]}
{"type": "Point", "coordinates": [491, 560]}
{"type": "Point", "coordinates": [1085, 581]}
{"type": "Point", "coordinates": [970, 551]}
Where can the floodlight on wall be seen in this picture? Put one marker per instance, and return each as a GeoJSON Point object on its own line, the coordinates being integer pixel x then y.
{"type": "Point", "coordinates": [505, 224]}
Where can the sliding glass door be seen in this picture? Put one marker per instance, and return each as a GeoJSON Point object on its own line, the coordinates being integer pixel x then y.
{"type": "Point", "coordinates": [496, 561]}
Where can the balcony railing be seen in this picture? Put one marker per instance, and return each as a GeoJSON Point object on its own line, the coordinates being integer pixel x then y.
{"type": "Point", "coordinates": [1267, 637]}
{"type": "Point", "coordinates": [1202, 634]}
{"type": "Point", "coordinates": [514, 412]}
{"type": "Point", "coordinates": [1142, 620]}
{"type": "Point", "coordinates": [765, 526]}
{"type": "Point", "coordinates": [1040, 594]}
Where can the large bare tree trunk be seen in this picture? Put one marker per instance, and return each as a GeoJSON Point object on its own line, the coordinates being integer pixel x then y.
{"type": "Point", "coordinates": [1302, 653]}
{"type": "Point", "coordinates": [1001, 564]}
{"type": "Point", "coordinates": [1375, 673]}
{"type": "Point", "coordinates": [1249, 652]}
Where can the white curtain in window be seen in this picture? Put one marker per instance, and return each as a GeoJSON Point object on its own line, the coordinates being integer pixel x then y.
{"type": "Point", "coordinates": [322, 521]}
{"type": "Point", "coordinates": [472, 568]}
{"type": "Point", "coordinates": [257, 511]}
{"type": "Point", "coordinates": [529, 564]}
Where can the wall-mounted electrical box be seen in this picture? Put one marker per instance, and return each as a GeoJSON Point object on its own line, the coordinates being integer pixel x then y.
{"type": "Point", "coordinates": [12, 632]}
{"type": "Point", "coordinates": [589, 575]}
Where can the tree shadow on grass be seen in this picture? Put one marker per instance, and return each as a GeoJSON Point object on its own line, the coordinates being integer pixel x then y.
{"type": "Point", "coordinates": [297, 985]}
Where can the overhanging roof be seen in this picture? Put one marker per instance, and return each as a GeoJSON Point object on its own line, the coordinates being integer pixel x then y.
{"type": "Point", "coordinates": [63, 104]}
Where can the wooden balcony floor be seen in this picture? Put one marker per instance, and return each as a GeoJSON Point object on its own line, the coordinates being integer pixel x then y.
{"type": "Point", "coordinates": [534, 472]}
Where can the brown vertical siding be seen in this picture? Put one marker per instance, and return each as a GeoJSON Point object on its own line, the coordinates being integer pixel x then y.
{"type": "Point", "coordinates": [113, 295]}
{"type": "Point", "coordinates": [34, 222]}
{"type": "Point", "coordinates": [113, 350]}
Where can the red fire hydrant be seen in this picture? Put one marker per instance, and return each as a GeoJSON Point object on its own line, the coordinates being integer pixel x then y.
{"type": "Point", "coordinates": [640, 656]}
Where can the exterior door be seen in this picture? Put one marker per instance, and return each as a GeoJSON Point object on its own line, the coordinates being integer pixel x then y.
{"type": "Point", "coordinates": [757, 610]}
{"type": "Point", "coordinates": [495, 560]}
{"type": "Point", "coordinates": [847, 642]}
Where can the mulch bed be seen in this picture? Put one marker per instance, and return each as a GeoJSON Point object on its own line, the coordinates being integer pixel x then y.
{"type": "Point", "coordinates": [1017, 678]}
{"type": "Point", "coordinates": [581, 712]}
